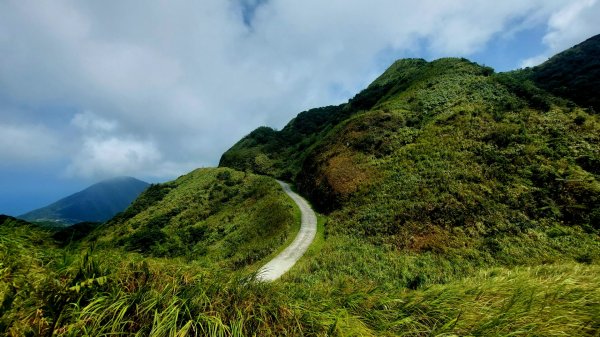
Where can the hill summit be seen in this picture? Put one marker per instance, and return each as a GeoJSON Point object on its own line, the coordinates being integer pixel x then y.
{"type": "Point", "coordinates": [448, 155]}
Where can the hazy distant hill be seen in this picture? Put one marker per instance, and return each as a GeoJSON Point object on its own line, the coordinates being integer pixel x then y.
{"type": "Point", "coordinates": [97, 203]}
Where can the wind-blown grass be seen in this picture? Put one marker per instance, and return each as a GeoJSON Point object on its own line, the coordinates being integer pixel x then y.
{"type": "Point", "coordinates": [362, 292]}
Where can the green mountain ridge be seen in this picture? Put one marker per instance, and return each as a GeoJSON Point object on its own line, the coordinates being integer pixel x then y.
{"type": "Point", "coordinates": [97, 203]}
{"type": "Point", "coordinates": [198, 216]}
{"type": "Point", "coordinates": [573, 74]}
{"type": "Point", "coordinates": [441, 143]}
{"type": "Point", "coordinates": [456, 202]}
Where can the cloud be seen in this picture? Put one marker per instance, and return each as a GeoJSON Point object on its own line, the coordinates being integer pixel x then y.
{"type": "Point", "coordinates": [572, 23]}
{"type": "Point", "coordinates": [533, 61]}
{"type": "Point", "coordinates": [569, 25]}
{"type": "Point", "coordinates": [89, 122]}
{"type": "Point", "coordinates": [113, 157]}
{"type": "Point", "coordinates": [106, 152]}
{"type": "Point", "coordinates": [158, 88]}
{"type": "Point", "coordinates": [27, 144]}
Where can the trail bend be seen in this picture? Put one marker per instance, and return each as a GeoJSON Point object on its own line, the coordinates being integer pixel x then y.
{"type": "Point", "coordinates": [285, 260]}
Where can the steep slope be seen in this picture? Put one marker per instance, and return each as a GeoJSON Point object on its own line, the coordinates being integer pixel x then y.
{"type": "Point", "coordinates": [281, 153]}
{"type": "Point", "coordinates": [451, 185]}
{"type": "Point", "coordinates": [218, 216]}
{"type": "Point", "coordinates": [96, 203]}
{"type": "Point", "coordinates": [448, 157]}
{"type": "Point", "coordinates": [573, 74]}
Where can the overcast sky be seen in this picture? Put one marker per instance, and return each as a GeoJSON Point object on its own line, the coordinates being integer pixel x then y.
{"type": "Point", "coordinates": [153, 89]}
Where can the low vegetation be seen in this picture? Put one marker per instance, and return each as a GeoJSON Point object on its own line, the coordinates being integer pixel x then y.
{"type": "Point", "coordinates": [213, 216]}
{"type": "Point", "coordinates": [94, 292]}
{"type": "Point", "coordinates": [446, 169]}
{"type": "Point", "coordinates": [455, 201]}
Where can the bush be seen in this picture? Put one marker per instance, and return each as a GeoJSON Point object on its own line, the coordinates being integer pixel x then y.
{"type": "Point", "coordinates": [145, 239]}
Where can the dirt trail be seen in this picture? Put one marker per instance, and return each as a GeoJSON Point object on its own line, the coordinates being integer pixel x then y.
{"type": "Point", "coordinates": [288, 257]}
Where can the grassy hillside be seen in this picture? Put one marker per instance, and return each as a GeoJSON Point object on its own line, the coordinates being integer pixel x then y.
{"type": "Point", "coordinates": [180, 258]}
{"type": "Point", "coordinates": [457, 157]}
{"type": "Point", "coordinates": [92, 292]}
{"type": "Point", "coordinates": [213, 215]}
{"type": "Point", "coordinates": [26, 255]}
{"type": "Point", "coordinates": [457, 150]}
{"type": "Point", "coordinates": [448, 171]}
{"type": "Point", "coordinates": [49, 291]}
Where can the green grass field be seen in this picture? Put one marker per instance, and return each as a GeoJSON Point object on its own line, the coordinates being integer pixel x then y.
{"type": "Point", "coordinates": [105, 292]}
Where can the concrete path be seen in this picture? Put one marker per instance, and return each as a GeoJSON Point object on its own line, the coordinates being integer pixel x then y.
{"type": "Point", "coordinates": [288, 257]}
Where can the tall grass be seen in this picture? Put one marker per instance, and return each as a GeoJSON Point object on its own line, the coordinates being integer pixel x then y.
{"type": "Point", "coordinates": [107, 292]}
{"type": "Point", "coordinates": [553, 300]}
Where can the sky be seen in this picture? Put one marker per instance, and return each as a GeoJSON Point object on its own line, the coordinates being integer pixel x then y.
{"type": "Point", "coordinates": [153, 89]}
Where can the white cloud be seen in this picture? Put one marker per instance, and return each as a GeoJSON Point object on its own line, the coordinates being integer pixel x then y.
{"type": "Point", "coordinates": [574, 22]}
{"type": "Point", "coordinates": [167, 86]}
{"type": "Point", "coordinates": [87, 121]}
{"type": "Point", "coordinates": [125, 68]}
{"type": "Point", "coordinates": [105, 152]}
{"type": "Point", "coordinates": [27, 144]}
{"type": "Point", "coordinates": [567, 26]}
{"type": "Point", "coordinates": [533, 61]}
{"type": "Point", "coordinates": [113, 156]}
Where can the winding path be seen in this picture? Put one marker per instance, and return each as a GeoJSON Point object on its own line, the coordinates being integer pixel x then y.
{"type": "Point", "coordinates": [291, 254]}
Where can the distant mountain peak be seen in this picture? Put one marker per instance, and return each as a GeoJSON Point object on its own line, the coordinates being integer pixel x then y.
{"type": "Point", "coordinates": [99, 202]}
{"type": "Point", "coordinates": [118, 178]}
